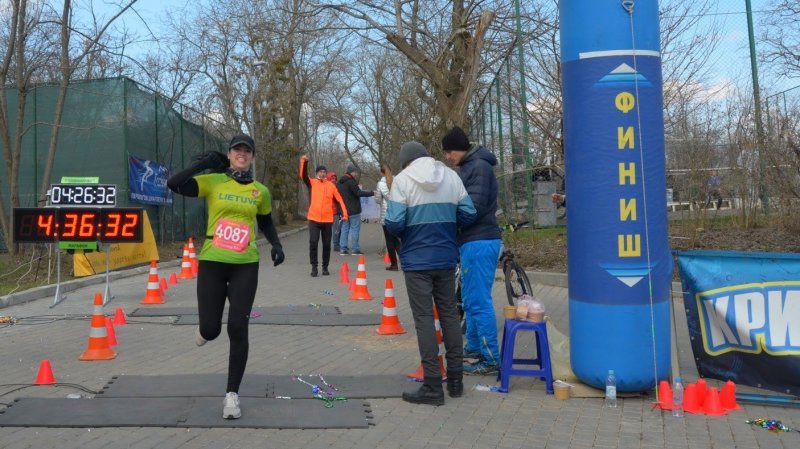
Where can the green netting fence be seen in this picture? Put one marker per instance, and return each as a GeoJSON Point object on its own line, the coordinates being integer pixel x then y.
{"type": "Point", "coordinates": [104, 122]}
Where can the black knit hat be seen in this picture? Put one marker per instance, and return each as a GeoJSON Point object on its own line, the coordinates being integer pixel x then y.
{"type": "Point", "coordinates": [320, 168]}
{"type": "Point", "coordinates": [352, 169]}
{"type": "Point", "coordinates": [243, 139]}
{"type": "Point", "coordinates": [455, 140]}
{"type": "Point", "coordinates": [411, 150]}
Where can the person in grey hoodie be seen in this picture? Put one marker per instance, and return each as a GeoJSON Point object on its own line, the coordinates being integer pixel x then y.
{"type": "Point", "coordinates": [427, 203]}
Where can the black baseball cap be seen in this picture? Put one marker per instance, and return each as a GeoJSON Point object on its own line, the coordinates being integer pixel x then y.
{"type": "Point", "coordinates": [243, 139]}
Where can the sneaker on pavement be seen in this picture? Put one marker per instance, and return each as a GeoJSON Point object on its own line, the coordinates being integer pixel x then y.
{"type": "Point", "coordinates": [198, 339]}
{"type": "Point", "coordinates": [480, 368]}
{"type": "Point", "coordinates": [356, 252]}
{"type": "Point", "coordinates": [230, 406]}
{"type": "Point", "coordinates": [343, 253]}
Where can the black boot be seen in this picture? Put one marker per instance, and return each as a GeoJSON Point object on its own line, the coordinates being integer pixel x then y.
{"type": "Point", "coordinates": [455, 384]}
{"type": "Point", "coordinates": [325, 271]}
{"type": "Point", "coordinates": [430, 393]}
{"type": "Point", "coordinates": [313, 271]}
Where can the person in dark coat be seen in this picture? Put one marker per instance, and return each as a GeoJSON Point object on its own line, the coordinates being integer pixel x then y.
{"type": "Point", "coordinates": [351, 194]}
{"type": "Point", "coordinates": [479, 249]}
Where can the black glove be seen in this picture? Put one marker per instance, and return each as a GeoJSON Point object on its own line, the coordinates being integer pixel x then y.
{"type": "Point", "coordinates": [277, 255]}
{"type": "Point", "coordinates": [215, 161]}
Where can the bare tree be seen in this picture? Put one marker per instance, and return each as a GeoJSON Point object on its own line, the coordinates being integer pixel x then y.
{"type": "Point", "coordinates": [780, 38]}
{"type": "Point", "coordinates": [443, 40]}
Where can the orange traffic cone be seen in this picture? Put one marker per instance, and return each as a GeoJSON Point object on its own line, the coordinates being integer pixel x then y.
{"type": "Point", "coordinates": [98, 337]}
{"type": "Point", "coordinates": [119, 317]}
{"type": "Point", "coordinates": [344, 274]}
{"type": "Point", "coordinates": [352, 286]}
{"type": "Point", "coordinates": [186, 264]}
{"type": "Point", "coordinates": [386, 258]}
{"type": "Point", "coordinates": [690, 404]}
{"type": "Point", "coordinates": [193, 257]}
{"type": "Point", "coordinates": [45, 375]}
{"type": "Point", "coordinates": [727, 396]}
{"type": "Point", "coordinates": [361, 291]}
{"type": "Point", "coordinates": [173, 278]}
{"type": "Point", "coordinates": [419, 374]}
{"type": "Point", "coordinates": [701, 392]}
{"type": "Point", "coordinates": [390, 323]}
{"type": "Point", "coordinates": [665, 395]}
{"type": "Point", "coordinates": [153, 293]}
{"type": "Point", "coordinates": [162, 286]}
{"type": "Point", "coordinates": [112, 334]}
{"type": "Point", "coordinates": [712, 405]}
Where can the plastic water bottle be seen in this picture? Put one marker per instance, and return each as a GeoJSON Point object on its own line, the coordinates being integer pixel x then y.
{"type": "Point", "coordinates": [677, 398]}
{"type": "Point", "coordinates": [611, 389]}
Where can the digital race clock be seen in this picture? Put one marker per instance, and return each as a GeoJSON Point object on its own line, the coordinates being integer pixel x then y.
{"type": "Point", "coordinates": [83, 195]}
{"type": "Point", "coordinates": [83, 224]}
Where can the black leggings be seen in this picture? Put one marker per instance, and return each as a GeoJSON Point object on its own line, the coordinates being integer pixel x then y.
{"type": "Point", "coordinates": [392, 245]}
{"type": "Point", "coordinates": [316, 228]}
{"type": "Point", "coordinates": [237, 282]}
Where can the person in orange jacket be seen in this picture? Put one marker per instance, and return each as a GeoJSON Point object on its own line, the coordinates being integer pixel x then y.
{"type": "Point", "coordinates": [323, 195]}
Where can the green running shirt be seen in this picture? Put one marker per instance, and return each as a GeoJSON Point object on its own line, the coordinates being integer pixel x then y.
{"type": "Point", "coordinates": [227, 199]}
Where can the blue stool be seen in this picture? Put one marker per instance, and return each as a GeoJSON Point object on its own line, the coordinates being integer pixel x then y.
{"type": "Point", "coordinates": [507, 360]}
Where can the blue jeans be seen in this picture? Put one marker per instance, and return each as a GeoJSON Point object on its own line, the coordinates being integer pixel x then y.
{"type": "Point", "coordinates": [478, 265]}
{"type": "Point", "coordinates": [350, 227]}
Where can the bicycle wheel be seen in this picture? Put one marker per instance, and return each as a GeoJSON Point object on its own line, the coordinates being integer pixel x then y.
{"type": "Point", "coordinates": [517, 283]}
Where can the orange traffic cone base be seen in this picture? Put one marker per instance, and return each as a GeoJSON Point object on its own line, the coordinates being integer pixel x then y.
{"type": "Point", "coordinates": [45, 374]}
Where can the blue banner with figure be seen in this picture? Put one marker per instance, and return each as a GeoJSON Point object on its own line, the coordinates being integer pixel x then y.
{"type": "Point", "coordinates": [743, 312]}
{"type": "Point", "coordinates": [148, 182]}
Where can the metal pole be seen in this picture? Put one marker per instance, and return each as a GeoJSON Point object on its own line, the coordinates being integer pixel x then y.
{"type": "Point", "coordinates": [501, 148]}
{"type": "Point", "coordinates": [525, 129]}
{"type": "Point", "coordinates": [757, 106]}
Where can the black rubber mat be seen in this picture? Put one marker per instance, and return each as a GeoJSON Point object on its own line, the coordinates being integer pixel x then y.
{"type": "Point", "coordinates": [353, 319]}
{"type": "Point", "coordinates": [262, 413]}
{"type": "Point", "coordinates": [255, 385]}
{"type": "Point", "coordinates": [296, 309]}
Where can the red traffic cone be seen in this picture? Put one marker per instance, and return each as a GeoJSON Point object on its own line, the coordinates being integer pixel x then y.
{"type": "Point", "coordinates": [352, 286]}
{"type": "Point", "coordinates": [390, 323]}
{"type": "Point", "coordinates": [186, 264]}
{"type": "Point", "coordinates": [162, 286]}
{"type": "Point", "coordinates": [701, 392]}
{"type": "Point", "coordinates": [690, 404]}
{"type": "Point", "coordinates": [119, 317]}
{"type": "Point", "coordinates": [45, 374]}
{"type": "Point", "coordinates": [419, 374]}
{"type": "Point", "coordinates": [344, 274]}
{"type": "Point", "coordinates": [173, 278]}
{"type": "Point", "coordinates": [361, 291]}
{"type": "Point", "coordinates": [98, 348]}
{"type": "Point", "coordinates": [112, 334]}
{"type": "Point", "coordinates": [665, 396]}
{"type": "Point", "coordinates": [727, 396]}
{"type": "Point", "coordinates": [153, 293]}
{"type": "Point", "coordinates": [712, 405]}
{"type": "Point", "coordinates": [386, 258]}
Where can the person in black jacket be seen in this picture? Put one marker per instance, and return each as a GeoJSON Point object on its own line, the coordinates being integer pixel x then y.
{"type": "Point", "coordinates": [351, 194]}
{"type": "Point", "coordinates": [479, 249]}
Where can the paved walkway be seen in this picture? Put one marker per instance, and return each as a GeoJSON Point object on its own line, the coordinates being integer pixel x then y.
{"type": "Point", "coordinates": [525, 418]}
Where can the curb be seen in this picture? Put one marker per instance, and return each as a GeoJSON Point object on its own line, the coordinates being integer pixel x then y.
{"type": "Point", "coordinates": [68, 286]}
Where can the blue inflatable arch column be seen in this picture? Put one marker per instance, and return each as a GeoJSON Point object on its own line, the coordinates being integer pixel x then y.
{"type": "Point", "coordinates": [620, 266]}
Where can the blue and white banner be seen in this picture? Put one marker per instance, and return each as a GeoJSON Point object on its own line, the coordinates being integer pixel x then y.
{"type": "Point", "coordinates": [743, 312]}
{"type": "Point", "coordinates": [148, 182]}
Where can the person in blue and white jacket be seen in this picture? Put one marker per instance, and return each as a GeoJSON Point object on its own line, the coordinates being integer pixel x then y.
{"type": "Point", "coordinates": [427, 204]}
